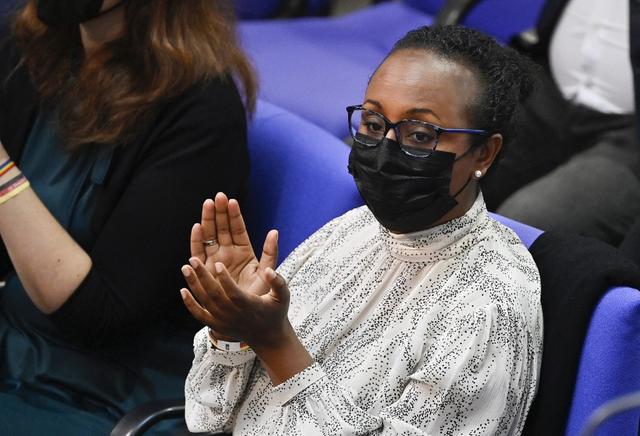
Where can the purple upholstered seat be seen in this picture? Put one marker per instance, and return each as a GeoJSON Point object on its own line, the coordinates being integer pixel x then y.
{"type": "Point", "coordinates": [314, 67]}
{"type": "Point", "coordinates": [500, 18]}
{"type": "Point", "coordinates": [610, 363]}
{"type": "Point", "coordinates": [526, 233]}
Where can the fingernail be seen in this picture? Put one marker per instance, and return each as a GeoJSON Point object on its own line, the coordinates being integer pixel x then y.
{"type": "Point", "coordinates": [219, 267]}
{"type": "Point", "coordinates": [185, 271]}
{"type": "Point", "coordinates": [193, 262]}
{"type": "Point", "coordinates": [183, 294]}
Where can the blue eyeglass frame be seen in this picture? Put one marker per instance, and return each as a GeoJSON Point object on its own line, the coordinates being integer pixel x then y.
{"type": "Point", "coordinates": [388, 125]}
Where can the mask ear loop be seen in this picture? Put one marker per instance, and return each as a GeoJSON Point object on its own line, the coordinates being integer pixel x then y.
{"type": "Point", "coordinates": [471, 148]}
{"type": "Point", "coordinates": [463, 186]}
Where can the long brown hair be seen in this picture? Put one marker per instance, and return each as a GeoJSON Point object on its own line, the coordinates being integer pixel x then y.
{"type": "Point", "coordinates": [167, 47]}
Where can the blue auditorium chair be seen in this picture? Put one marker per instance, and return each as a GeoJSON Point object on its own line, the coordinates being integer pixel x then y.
{"type": "Point", "coordinates": [609, 365]}
{"type": "Point", "coordinates": [298, 181]}
{"type": "Point", "coordinates": [315, 67]}
{"type": "Point", "coordinates": [267, 9]}
{"type": "Point", "coordinates": [502, 19]}
{"type": "Point", "coordinates": [257, 9]}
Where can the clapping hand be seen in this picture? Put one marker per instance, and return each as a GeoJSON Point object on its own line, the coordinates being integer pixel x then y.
{"type": "Point", "coordinates": [221, 236]}
{"type": "Point", "coordinates": [236, 295]}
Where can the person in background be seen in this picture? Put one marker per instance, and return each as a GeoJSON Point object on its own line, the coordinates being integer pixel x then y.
{"type": "Point", "coordinates": [116, 118]}
{"type": "Point", "coordinates": [574, 166]}
{"type": "Point", "coordinates": [415, 314]}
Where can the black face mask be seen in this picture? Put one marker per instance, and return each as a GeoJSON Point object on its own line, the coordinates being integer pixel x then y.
{"type": "Point", "coordinates": [70, 12]}
{"type": "Point", "coordinates": [404, 193]}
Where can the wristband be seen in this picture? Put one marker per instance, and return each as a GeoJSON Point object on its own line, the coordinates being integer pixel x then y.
{"type": "Point", "coordinates": [14, 189]}
{"type": "Point", "coordinates": [225, 345]}
{"type": "Point", "coordinates": [6, 167]}
{"type": "Point", "coordinates": [5, 164]}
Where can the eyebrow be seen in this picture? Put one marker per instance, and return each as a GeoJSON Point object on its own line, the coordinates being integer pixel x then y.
{"type": "Point", "coordinates": [409, 112]}
{"type": "Point", "coordinates": [423, 111]}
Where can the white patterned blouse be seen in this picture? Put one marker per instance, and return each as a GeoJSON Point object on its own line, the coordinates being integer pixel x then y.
{"type": "Point", "coordinates": [437, 332]}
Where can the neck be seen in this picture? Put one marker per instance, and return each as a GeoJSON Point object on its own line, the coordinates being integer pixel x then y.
{"type": "Point", "coordinates": [102, 29]}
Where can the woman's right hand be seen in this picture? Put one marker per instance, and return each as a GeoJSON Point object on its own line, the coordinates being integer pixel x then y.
{"type": "Point", "coordinates": [222, 236]}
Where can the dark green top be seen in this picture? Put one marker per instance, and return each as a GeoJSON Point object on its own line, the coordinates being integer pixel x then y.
{"type": "Point", "coordinates": [43, 376]}
{"type": "Point", "coordinates": [124, 337]}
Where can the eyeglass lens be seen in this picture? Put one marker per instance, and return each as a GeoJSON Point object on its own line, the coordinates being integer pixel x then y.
{"type": "Point", "coordinates": [415, 138]}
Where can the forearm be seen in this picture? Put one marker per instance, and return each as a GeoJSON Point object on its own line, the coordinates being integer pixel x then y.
{"type": "Point", "coordinates": [284, 356]}
{"type": "Point", "coordinates": [49, 263]}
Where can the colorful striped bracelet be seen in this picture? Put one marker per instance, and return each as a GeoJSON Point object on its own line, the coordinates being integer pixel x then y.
{"type": "Point", "coordinates": [6, 167]}
{"type": "Point", "coordinates": [5, 164]}
{"type": "Point", "coordinates": [13, 187]}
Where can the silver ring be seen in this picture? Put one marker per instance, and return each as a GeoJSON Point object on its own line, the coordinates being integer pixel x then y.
{"type": "Point", "coordinates": [210, 242]}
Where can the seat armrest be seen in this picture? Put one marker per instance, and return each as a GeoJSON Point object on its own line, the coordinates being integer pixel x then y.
{"type": "Point", "coordinates": [610, 409]}
{"type": "Point", "coordinates": [140, 419]}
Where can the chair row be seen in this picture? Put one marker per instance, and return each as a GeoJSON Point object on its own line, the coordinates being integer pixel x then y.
{"type": "Point", "coordinates": [316, 66]}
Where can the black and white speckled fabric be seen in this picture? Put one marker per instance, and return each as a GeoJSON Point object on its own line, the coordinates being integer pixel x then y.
{"type": "Point", "coordinates": [437, 332]}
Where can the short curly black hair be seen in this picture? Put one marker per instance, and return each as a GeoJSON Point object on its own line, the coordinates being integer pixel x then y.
{"type": "Point", "coordinates": [506, 77]}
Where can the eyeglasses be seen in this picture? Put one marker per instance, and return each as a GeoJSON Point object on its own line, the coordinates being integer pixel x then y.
{"type": "Point", "coordinates": [416, 138]}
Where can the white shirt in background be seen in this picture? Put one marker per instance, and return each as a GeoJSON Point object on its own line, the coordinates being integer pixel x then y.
{"type": "Point", "coordinates": [589, 55]}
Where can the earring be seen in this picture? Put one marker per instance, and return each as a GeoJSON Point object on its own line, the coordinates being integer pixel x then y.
{"type": "Point", "coordinates": [477, 173]}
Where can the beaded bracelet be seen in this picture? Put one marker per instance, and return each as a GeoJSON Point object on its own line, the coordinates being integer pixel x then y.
{"type": "Point", "coordinates": [226, 346]}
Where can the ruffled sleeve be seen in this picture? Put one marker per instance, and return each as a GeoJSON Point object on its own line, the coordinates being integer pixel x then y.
{"type": "Point", "coordinates": [215, 385]}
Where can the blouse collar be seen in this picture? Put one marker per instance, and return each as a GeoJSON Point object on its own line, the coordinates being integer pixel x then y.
{"type": "Point", "coordinates": [440, 242]}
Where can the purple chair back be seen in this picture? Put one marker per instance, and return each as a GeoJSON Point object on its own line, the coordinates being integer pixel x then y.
{"type": "Point", "coordinates": [427, 6]}
{"type": "Point", "coordinates": [610, 363]}
{"type": "Point", "coordinates": [257, 9]}
{"type": "Point", "coordinates": [298, 180]}
{"type": "Point", "coordinates": [526, 233]}
{"type": "Point", "coordinates": [315, 67]}
{"type": "Point", "coordinates": [610, 359]}
{"type": "Point", "coordinates": [500, 18]}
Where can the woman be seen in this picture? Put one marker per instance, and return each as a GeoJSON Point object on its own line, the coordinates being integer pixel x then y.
{"type": "Point", "coordinates": [116, 117]}
{"type": "Point", "coordinates": [417, 314]}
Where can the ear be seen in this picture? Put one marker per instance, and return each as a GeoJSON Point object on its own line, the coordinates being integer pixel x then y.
{"type": "Point", "coordinates": [484, 156]}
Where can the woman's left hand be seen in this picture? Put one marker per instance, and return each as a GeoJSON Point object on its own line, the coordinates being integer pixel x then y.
{"type": "Point", "coordinates": [234, 312]}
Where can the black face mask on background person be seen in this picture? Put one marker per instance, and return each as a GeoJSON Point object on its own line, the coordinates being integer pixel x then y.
{"type": "Point", "coordinates": [405, 193]}
{"type": "Point", "coordinates": [56, 13]}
